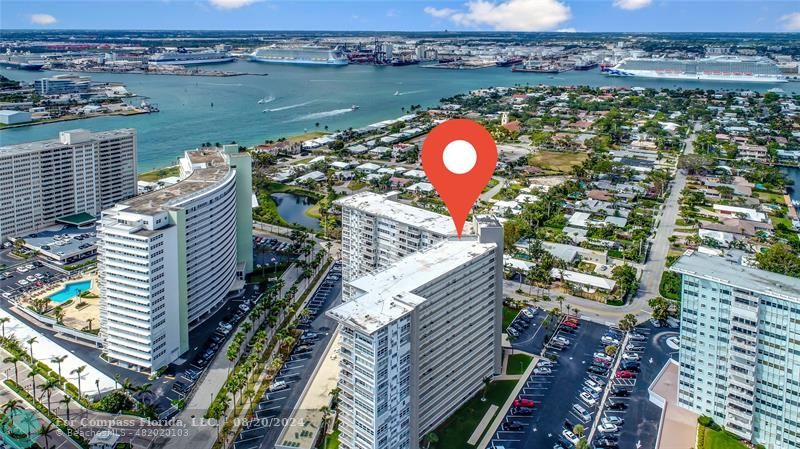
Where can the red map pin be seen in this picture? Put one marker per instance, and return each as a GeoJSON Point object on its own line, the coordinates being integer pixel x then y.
{"type": "Point", "coordinates": [459, 157]}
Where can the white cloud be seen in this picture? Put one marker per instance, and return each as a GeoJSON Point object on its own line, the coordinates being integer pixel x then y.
{"type": "Point", "coordinates": [437, 12]}
{"type": "Point", "coordinates": [567, 30]}
{"type": "Point", "coordinates": [791, 22]}
{"type": "Point", "coordinates": [43, 19]}
{"type": "Point", "coordinates": [632, 4]}
{"type": "Point", "coordinates": [516, 15]}
{"type": "Point", "coordinates": [231, 4]}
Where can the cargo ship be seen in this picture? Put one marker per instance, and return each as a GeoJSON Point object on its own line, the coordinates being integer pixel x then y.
{"type": "Point", "coordinates": [183, 57]}
{"type": "Point", "coordinates": [508, 62]}
{"type": "Point", "coordinates": [585, 65]}
{"type": "Point", "coordinates": [21, 62]}
{"type": "Point", "coordinates": [720, 68]}
{"type": "Point", "coordinates": [538, 68]}
{"type": "Point", "coordinates": [300, 55]}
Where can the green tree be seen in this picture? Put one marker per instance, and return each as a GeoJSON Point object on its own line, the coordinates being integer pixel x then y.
{"type": "Point", "coordinates": [431, 440]}
{"type": "Point", "coordinates": [628, 322]}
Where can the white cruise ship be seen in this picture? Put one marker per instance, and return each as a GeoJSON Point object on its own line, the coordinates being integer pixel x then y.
{"type": "Point", "coordinates": [300, 55]}
{"type": "Point", "coordinates": [182, 57]}
{"type": "Point", "coordinates": [720, 68]}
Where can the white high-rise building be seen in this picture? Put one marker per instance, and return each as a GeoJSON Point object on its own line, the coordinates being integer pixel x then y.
{"type": "Point", "coordinates": [378, 230]}
{"type": "Point", "coordinates": [79, 172]}
{"type": "Point", "coordinates": [418, 339]}
{"type": "Point", "coordinates": [740, 348]}
{"type": "Point", "coordinates": [168, 259]}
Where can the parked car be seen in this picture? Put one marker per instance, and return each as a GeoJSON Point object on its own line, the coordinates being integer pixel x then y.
{"type": "Point", "coordinates": [619, 392]}
{"type": "Point", "coordinates": [605, 443]}
{"type": "Point", "coordinates": [592, 385]}
{"type": "Point", "coordinates": [598, 370]}
{"type": "Point", "coordinates": [634, 348]}
{"type": "Point", "coordinates": [571, 437]}
{"type": "Point", "coordinates": [562, 340]}
{"type": "Point", "coordinates": [568, 424]}
{"type": "Point", "coordinates": [607, 428]}
{"type": "Point", "coordinates": [588, 399]}
{"type": "Point", "coordinates": [521, 411]}
{"type": "Point", "coordinates": [544, 363]}
{"type": "Point", "coordinates": [581, 412]}
{"type": "Point", "coordinates": [600, 361]}
{"type": "Point", "coordinates": [629, 367]}
{"type": "Point", "coordinates": [542, 371]}
{"type": "Point", "coordinates": [528, 312]}
{"type": "Point", "coordinates": [636, 337]}
{"type": "Point", "coordinates": [523, 403]}
{"type": "Point", "coordinates": [622, 374]}
{"type": "Point", "coordinates": [603, 355]}
{"type": "Point", "coordinates": [512, 426]}
{"type": "Point", "coordinates": [630, 356]}
{"type": "Point", "coordinates": [614, 404]}
{"type": "Point", "coordinates": [606, 340]}
{"type": "Point", "coordinates": [567, 330]}
{"type": "Point", "coordinates": [613, 419]}
{"type": "Point", "coordinates": [513, 332]}
{"type": "Point", "coordinates": [278, 385]}
{"type": "Point", "coordinates": [569, 324]}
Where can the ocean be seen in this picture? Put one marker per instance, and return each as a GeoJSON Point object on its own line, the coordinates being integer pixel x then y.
{"type": "Point", "coordinates": [194, 110]}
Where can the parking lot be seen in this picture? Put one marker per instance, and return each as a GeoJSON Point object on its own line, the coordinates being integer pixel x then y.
{"type": "Point", "coordinates": [23, 276]}
{"type": "Point", "coordinates": [556, 388]}
{"type": "Point", "coordinates": [277, 405]}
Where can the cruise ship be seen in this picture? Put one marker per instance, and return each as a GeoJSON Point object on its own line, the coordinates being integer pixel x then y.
{"type": "Point", "coordinates": [300, 55]}
{"type": "Point", "coordinates": [183, 57]}
{"type": "Point", "coordinates": [720, 68]}
{"type": "Point", "coordinates": [21, 62]}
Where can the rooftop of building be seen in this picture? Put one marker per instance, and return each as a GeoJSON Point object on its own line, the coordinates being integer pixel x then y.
{"type": "Point", "coordinates": [49, 144]}
{"type": "Point", "coordinates": [386, 207]}
{"type": "Point", "coordinates": [731, 272]}
{"type": "Point", "coordinates": [209, 167]}
{"type": "Point", "coordinates": [390, 294]}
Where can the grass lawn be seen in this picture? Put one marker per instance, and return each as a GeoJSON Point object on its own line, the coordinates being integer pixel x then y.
{"type": "Point", "coordinates": [517, 363]}
{"type": "Point", "coordinates": [722, 440]}
{"type": "Point", "coordinates": [508, 316]}
{"type": "Point", "coordinates": [454, 433]}
{"type": "Point", "coordinates": [557, 161]}
{"type": "Point", "coordinates": [333, 440]}
{"type": "Point", "coordinates": [155, 175]}
{"type": "Point", "coordinates": [306, 136]}
{"type": "Point", "coordinates": [356, 185]}
{"type": "Point", "coordinates": [771, 197]}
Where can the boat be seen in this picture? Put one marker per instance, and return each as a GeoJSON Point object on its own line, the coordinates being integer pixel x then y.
{"type": "Point", "coordinates": [265, 110]}
{"type": "Point", "coordinates": [184, 57]}
{"type": "Point", "coordinates": [718, 68]}
{"type": "Point", "coordinates": [310, 55]}
{"type": "Point", "coordinates": [21, 62]}
{"type": "Point", "coordinates": [354, 107]}
{"type": "Point", "coordinates": [537, 68]}
{"type": "Point", "coordinates": [396, 93]}
{"type": "Point", "coordinates": [583, 65]}
{"type": "Point", "coordinates": [508, 62]}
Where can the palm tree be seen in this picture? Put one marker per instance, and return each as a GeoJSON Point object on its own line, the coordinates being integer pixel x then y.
{"type": "Point", "coordinates": [430, 439]}
{"type": "Point", "coordinates": [66, 400]}
{"type": "Point", "coordinates": [9, 409]}
{"type": "Point", "coordinates": [34, 372]}
{"type": "Point", "coordinates": [560, 300]}
{"type": "Point", "coordinates": [3, 322]}
{"type": "Point", "coordinates": [326, 413]}
{"type": "Point", "coordinates": [45, 431]}
{"type": "Point", "coordinates": [30, 342]}
{"type": "Point", "coordinates": [47, 388]}
{"type": "Point", "coordinates": [58, 361]}
{"type": "Point", "coordinates": [78, 371]}
{"type": "Point", "coordinates": [13, 359]}
{"type": "Point", "coordinates": [486, 381]}
{"type": "Point", "coordinates": [97, 384]}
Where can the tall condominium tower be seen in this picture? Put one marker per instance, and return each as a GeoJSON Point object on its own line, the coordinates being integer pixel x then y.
{"type": "Point", "coordinates": [168, 259]}
{"type": "Point", "coordinates": [378, 230]}
{"type": "Point", "coordinates": [740, 348]}
{"type": "Point", "coordinates": [81, 171]}
{"type": "Point", "coordinates": [418, 338]}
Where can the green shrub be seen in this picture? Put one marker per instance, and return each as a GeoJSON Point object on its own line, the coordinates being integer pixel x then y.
{"type": "Point", "coordinates": [705, 421]}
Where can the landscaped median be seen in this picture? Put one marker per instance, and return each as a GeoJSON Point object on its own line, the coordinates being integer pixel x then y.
{"type": "Point", "coordinates": [454, 433]}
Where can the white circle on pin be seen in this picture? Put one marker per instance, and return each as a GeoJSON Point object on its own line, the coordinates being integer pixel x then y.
{"type": "Point", "coordinates": [459, 156]}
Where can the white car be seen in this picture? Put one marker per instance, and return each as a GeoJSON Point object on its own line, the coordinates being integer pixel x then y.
{"type": "Point", "coordinates": [612, 419]}
{"type": "Point", "coordinates": [631, 356]}
{"type": "Point", "coordinates": [588, 399]}
{"type": "Point", "coordinates": [561, 340]}
{"type": "Point", "coordinates": [7, 295]}
{"type": "Point", "coordinates": [609, 341]}
{"type": "Point", "coordinates": [593, 385]}
{"type": "Point", "coordinates": [528, 313]}
{"type": "Point", "coordinates": [602, 355]}
{"type": "Point", "coordinates": [278, 385]}
{"type": "Point", "coordinates": [22, 282]}
{"type": "Point", "coordinates": [542, 371]}
{"type": "Point", "coordinates": [571, 437]}
{"type": "Point", "coordinates": [607, 427]}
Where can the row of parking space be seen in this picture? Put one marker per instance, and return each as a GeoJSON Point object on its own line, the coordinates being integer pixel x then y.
{"type": "Point", "coordinates": [272, 411]}
{"type": "Point", "coordinates": [580, 365]}
{"type": "Point", "coordinates": [27, 277]}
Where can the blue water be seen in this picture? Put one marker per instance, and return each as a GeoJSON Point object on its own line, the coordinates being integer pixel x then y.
{"type": "Point", "coordinates": [793, 173]}
{"type": "Point", "coordinates": [293, 209]}
{"type": "Point", "coordinates": [301, 97]}
{"type": "Point", "coordinates": [70, 291]}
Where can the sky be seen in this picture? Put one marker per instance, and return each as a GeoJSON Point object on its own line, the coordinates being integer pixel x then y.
{"type": "Point", "coordinates": [407, 15]}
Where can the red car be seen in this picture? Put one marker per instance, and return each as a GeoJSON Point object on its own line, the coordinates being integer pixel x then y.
{"type": "Point", "coordinates": [622, 374]}
{"type": "Point", "coordinates": [569, 324]}
{"type": "Point", "coordinates": [523, 403]}
{"type": "Point", "coordinates": [603, 361]}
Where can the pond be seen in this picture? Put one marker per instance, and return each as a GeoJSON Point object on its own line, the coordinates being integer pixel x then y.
{"type": "Point", "coordinates": [292, 208]}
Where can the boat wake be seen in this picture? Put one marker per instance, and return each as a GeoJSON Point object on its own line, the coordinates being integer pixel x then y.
{"type": "Point", "coordinates": [409, 92]}
{"type": "Point", "coordinates": [269, 99]}
{"type": "Point", "coordinates": [291, 106]}
{"type": "Point", "coordinates": [318, 115]}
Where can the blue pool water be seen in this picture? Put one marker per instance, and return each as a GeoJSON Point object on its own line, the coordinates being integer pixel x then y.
{"type": "Point", "coordinates": [70, 291]}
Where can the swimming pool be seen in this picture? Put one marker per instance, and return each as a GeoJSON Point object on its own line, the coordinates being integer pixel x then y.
{"type": "Point", "coordinates": [71, 290]}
